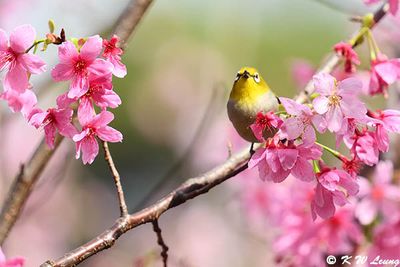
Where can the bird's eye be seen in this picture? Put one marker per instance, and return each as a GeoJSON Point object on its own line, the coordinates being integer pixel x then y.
{"type": "Point", "coordinates": [256, 78]}
{"type": "Point", "coordinates": [237, 76]}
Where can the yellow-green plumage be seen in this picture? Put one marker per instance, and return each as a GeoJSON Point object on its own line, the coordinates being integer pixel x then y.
{"type": "Point", "coordinates": [250, 94]}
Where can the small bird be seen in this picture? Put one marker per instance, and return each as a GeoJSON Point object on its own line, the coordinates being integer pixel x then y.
{"type": "Point", "coordinates": [250, 94]}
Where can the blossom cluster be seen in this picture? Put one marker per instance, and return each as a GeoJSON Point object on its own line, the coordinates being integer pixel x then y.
{"type": "Point", "coordinates": [302, 241]}
{"type": "Point", "coordinates": [88, 64]}
{"type": "Point", "coordinates": [335, 108]}
{"type": "Point", "coordinates": [309, 209]}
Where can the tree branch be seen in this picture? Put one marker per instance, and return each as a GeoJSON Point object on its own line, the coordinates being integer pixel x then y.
{"type": "Point", "coordinates": [31, 171]}
{"type": "Point", "coordinates": [190, 189]}
{"type": "Point", "coordinates": [117, 180]}
{"type": "Point", "coordinates": [129, 19]}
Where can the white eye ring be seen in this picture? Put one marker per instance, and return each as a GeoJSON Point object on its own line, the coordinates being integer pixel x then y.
{"type": "Point", "coordinates": [237, 76]}
{"type": "Point", "coordinates": [256, 77]}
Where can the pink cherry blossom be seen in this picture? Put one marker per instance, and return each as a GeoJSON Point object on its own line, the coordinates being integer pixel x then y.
{"type": "Point", "coordinates": [393, 5]}
{"type": "Point", "coordinates": [269, 122]}
{"type": "Point", "coordinates": [76, 66]}
{"type": "Point", "coordinates": [277, 160]}
{"type": "Point", "coordinates": [100, 92]}
{"type": "Point", "coordinates": [300, 123]}
{"type": "Point", "coordinates": [95, 127]}
{"type": "Point", "coordinates": [52, 120]}
{"type": "Point", "coordinates": [113, 53]}
{"type": "Point", "coordinates": [20, 102]}
{"type": "Point", "coordinates": [14, 262]}
{"type": "Point", "coordinates": [384, 72]}
{"type": "Point", "coordinates": [352, 166]}
{"type": "Point", "coordinates": [363, 145]}
{"type": "Point", "coordinates": [338, 101]}
{"type": "Point", "coordinates": [350, 56]}
{"type": "Point", "coordinates": [334, 186]}
{"type": "Point", "coordinates": [385, 121]}
{"type": "Point", "coordinates": [379, 195]}
{"type": "Point", "coordinates": [299, 235]}
{"type": "Point", "coordinates": [13, 57]}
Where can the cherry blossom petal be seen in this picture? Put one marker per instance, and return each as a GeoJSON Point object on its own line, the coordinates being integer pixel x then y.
{"type": "Point", "coordinates": [321, 104]}
{"type": "Point", "coordinates": [292, 107]}
{"type": "Point", "coordinates": [90, 149]}
{"type": "Point", "coordinates": [62, 72]}
{"type": "Point", "coordinates": [287, 157]}
{"type": "Point", "coordinates": [303, 170]}
{"type": "Point", "coordinates": [50, 134]}
{"type": "Point", "coordinates": [63, 101]}
{"type": "Point", "coordinates": [258, 156]}
{"type": "Point", "coordinates": [107, 99]}
{"type": "Point", "coordinates": [16, 79]}
{"type": "Point", "coordinates": [86, 110]}
{"type": "Point", "coordinates": [32, 63]}
{"type": "Point", "coordinates": [79, 137]}
{"type": "Point", "coordinates": [100, 67]}
{"type": "Point", "coordinates": [387, 71]}
{"type": "Point", "coordinates": [102, 119]}
{"type": "Point", "coordinates": [119, 69]}
{"type": "Point", "coordinates": [79, 86]}
{"type": "Point", "coordinates": [350, 86]}
{"type": "Point", "coordinates": [109, 134]}
{"type": "Point", "coordinates": [319, 123]}
{"type": "Point", "coordinates": [22, 37]}
{"type": "Point", "coordinates": [334, 118]}
{"type": "Point", "coordinates": [279, 176]}
{"type": "Point", "coordinates": [91, 48]}
{"type": "Point", "coordinates": [292, 128]}
{"type": "Point", "coordinates": [324, 83]}
{"type": "Point", "coordinates": [67, 52]}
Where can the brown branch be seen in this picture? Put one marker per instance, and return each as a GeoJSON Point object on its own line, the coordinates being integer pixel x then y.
{"type": "Point", "coordinates": [190, 189]}
{"type": "Point", "coordinates": [117, 180]}
{"type": "Point", "coordinates": [23, 185]}
{"type": "Point", "coordinates": [161, 242]}
{"type": "Point", "coordinates": [29, 174]}
{"type": "Point", "coordinates": [129, 19]}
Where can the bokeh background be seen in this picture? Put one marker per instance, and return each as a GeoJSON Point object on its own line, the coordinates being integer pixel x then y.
{"type": "Point", "coordinates": [181, 64]}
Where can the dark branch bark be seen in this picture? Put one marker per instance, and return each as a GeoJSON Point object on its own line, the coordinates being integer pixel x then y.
{"type": "Point", "coordinates": [161, 243]}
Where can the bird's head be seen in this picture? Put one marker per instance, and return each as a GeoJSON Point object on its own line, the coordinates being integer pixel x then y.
{"type": "Point", "coordinates": [248, 82]}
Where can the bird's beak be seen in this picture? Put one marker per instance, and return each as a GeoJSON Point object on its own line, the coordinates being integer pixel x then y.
{"type": "Point", "coordinates": [246, 74]}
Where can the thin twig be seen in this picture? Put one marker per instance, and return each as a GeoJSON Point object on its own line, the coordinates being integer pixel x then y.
{"type": "Point", "coordinates": [117, 180]}
{"type": "Point", "coordinates": [161, 242]}
{"type": "Point", "coordinates": [28, 176]}
{"type": "Point", "coordinates": [190, 189]}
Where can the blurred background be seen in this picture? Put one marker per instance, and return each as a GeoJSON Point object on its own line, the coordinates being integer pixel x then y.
{"type": "Point", "coordinates": [181, 64]}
